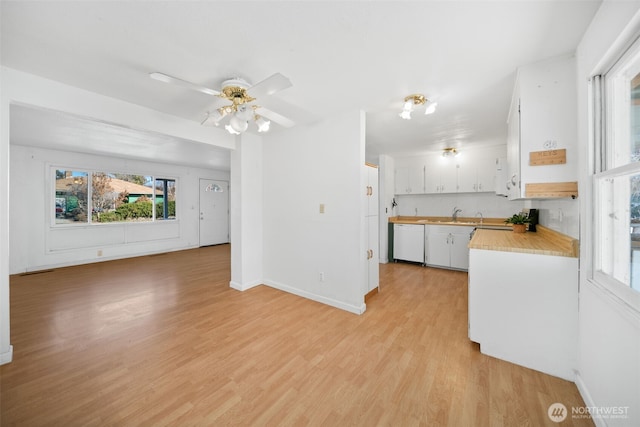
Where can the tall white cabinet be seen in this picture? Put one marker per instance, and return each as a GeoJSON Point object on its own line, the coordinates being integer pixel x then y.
{"type": "Point", "coordinates": [371, 227]}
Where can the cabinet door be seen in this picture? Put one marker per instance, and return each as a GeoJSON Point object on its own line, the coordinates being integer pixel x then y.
{"type": "Point", "coordinates": [467, 178]}
{"type": "Point", "coordinates": [371, 191]}
{"type": "Point", "coordinates": [431, 179]}
{"type": "Point", "coordinates": [448, 177]}
{"type": "Point", "coordinates": [513, 152]}
{"type": "Point", "coordinates": [416, 179]}
{"type": "Point", "coordinates": [460, 248]}
{"type": "Point", "coordinates": [438, 247]}
{"type": "Point", "coordinates": [373, 263]}
{"type": "Point", "coordinates": [401, 179]}
{"type": "Point", "coordinates": [486, 175]}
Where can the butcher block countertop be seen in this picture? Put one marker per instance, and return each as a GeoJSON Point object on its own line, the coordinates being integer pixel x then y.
{"type": "Point", "coordinates": [441, 220]}
{"type": "Point", "coordinates": [543, 242]}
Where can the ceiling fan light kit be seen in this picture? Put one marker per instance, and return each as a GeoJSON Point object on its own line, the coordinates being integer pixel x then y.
{"type": "Point", "coordinates": [241, 109]}
{"type": "Point", "coordinates": [412, 101]}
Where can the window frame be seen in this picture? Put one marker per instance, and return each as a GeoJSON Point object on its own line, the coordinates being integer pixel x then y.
{"type": "Point", "coordinates": [51, 203]}
{"type": "Point", "coordinates": [606, 131]}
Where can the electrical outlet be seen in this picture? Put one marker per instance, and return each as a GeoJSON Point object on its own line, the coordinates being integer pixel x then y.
{"type": "Point", "coordinates": [99, 252]}
{"type": "Point", "coordinates": [322, 208]}
{"type": "Point", "coordinates": [322, 276]}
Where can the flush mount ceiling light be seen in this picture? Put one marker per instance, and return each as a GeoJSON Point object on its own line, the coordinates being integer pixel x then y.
{"type": "Point", "coordinates": [412, 101]}
{"type": "Point", "coordinates": [450, 152]}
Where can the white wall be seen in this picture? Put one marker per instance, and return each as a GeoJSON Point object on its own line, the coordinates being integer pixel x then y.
{"type": "Point", "coordinates": [36, 244]}
{"type": "Point", "coordinates": [303, 168]}
{"type": "Point", "coordinates": [609, 345]}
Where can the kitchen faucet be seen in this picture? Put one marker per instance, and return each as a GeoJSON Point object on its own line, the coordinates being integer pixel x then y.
{"type": "Point", "coordinates": [456, 211]}
{"type": "Point", "coordinates": [480, 213]}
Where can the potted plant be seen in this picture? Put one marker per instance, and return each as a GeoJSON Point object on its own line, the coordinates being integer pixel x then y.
{"type": "Point", "coordinates": [519, 221]}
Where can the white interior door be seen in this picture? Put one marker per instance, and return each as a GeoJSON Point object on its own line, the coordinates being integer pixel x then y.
{"type": "Point", "coordinates": [214, 212]}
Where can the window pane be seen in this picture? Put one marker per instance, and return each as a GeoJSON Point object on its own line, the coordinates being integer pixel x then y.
{"type": "Point", "coordinates": [619, 229]}
{"type": "Point", "coordinates": [71, 196]}
{"type": "Point", "coordinates": [635, 118]}
{"type": "Point", "coordinates": [165, 190]}
{"type": "Point", "coordinates": [624, 111]}
{"type": "Point", "coordinates": [121, 197]}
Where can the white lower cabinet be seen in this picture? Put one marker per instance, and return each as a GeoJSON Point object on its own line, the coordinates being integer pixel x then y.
{"type": "Point", "coordinates": [447, 246]}
{"type": "Point", "coordinates": [408, 242]}
{"type": "Point", "coordinates": [523, 308]}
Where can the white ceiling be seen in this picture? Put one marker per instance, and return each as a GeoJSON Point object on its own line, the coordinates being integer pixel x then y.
{"type": "Point", "coordinates": [339, 55]}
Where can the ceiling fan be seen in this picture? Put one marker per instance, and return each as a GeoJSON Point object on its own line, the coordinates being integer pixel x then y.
{"type": "Point", "coordinates": [242, 97]}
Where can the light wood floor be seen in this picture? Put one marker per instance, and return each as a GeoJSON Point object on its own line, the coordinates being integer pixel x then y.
{"type": "Point", "coordinates": [163, 340]}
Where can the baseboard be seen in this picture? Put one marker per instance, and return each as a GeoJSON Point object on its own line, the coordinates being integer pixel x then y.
{"type": "Point", "coordinates": [318, 298]}
{"type": "Point", "coordinates": [244, 286]}
{"type": "Point", "coordinates": [7, 356]}
{"type": "Point", "coordinates": [588, 400]}
{"type": "Point", "coordinates": [370, 294]}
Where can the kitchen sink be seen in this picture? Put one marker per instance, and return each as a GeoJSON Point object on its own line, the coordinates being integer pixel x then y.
{"type": "Point", "coordinates": [430, 221]}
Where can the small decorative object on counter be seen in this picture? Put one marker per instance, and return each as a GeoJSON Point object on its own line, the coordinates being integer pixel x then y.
{"type": "Point", "coordinates": [519, 221]}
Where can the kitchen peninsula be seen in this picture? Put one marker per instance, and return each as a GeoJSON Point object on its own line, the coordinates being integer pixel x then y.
{"type": "Point", "coordinates": [523, 298]}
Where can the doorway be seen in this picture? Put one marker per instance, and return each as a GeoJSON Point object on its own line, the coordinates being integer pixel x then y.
{"type": "Point", "coordinates": [214, 212]}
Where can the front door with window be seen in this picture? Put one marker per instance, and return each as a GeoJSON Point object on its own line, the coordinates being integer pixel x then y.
{"type": "Point", "coordinates": [214, 212]}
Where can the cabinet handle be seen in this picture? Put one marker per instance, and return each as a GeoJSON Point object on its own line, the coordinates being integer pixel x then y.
{"type": "Point", "coordinates": [480, 186]}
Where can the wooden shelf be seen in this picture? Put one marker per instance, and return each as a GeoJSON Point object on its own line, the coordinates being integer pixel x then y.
{"type": "Point", "coordinates": [552, 190]}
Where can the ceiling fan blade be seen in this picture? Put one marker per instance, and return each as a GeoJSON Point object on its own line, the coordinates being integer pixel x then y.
{"type": "Point", "coordinates": [269, 86]}
{"type": "Point", "coordinates": [182, 83]}
{"type": "Point", "coordinates": [275, 117]}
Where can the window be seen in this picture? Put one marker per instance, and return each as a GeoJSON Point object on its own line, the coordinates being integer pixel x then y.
{"type": "Point", "coordinates": [112, 197]}
{"type": "Point", "coordinates": [617, 175]}
{"type": "Point", "coordinates": [165, 190]}
{"type": "Point", "coordinates": [71, 196]}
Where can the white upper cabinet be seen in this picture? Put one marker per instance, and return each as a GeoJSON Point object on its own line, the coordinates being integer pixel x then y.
{"type": "Point", "coordinates": [542, 118]}
{"type": "Point", "coordinates": [477, 174]}
{"type": "Point", "coordinates": [473, 171]}
{"type": "Point", "coordinates": [409, 179]}
{"type": "Point", "coordinates": [441, 176]}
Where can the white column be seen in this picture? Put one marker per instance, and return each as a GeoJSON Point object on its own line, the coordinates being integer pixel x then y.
{"type": "Point", "coordinates": [6, 350]}
{"type": "Point", "coordinates": [246, 212]}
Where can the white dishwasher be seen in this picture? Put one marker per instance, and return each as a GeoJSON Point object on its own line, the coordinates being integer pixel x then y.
{"type": "Point", "coordinates": [408, 242]}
